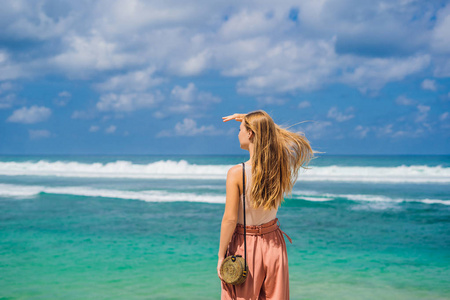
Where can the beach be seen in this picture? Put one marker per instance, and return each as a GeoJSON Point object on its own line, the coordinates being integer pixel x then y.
{"type": "Point", "coordinates": [147, 227]}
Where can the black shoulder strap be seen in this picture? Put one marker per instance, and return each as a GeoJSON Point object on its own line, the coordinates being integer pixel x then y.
{"type": "Point", "coordinates": [243, 206]}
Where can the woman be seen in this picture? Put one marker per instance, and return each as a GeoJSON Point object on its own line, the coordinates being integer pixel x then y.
{"type": "Point", "coordinates": [276, 156]}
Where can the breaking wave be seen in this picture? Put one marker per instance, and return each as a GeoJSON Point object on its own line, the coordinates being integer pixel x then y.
{"type": "Point", "coordinates": [168, 169]}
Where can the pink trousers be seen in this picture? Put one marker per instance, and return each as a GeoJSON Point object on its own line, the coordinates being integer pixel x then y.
{"type": "Point", "coordinates": [268, 274]}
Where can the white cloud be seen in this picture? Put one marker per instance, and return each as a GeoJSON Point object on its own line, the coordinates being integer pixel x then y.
{"type": "Point", "coordinates": [389, 131]}
{"type": "Point", "coordinates": [416, 132]}
{"type": "Point", "coordinates": [184, 94]}
{"type": "Point", "coordinates": [442, 66]}
{"type": "Point", "coordinates": [38, 134]}
{"type": "Point", "coordinates": [83, 115]}
{"type": "Point", "coordinates": [93, 52]}
{"type": "Point", "coordinates": [188, 100]}
{"type": "Point", "coordinates": [402, 100]}
{"type": "Point", "coordinates": [65, 94]}
{"type": "Point", "coordinates": [10, 70]}
{"type": "Point", "coordinates": [64, 98]}
{"type": "Point", "coordinates": [7, 97]}
{"type": "Point", "coordinates": [127, 102]}
{"type": "Point", "coordinates": [196, 64]}
{"type": "Point", "coordinates": [5, 87]}
{"type": "Point", "coordinates": [33, 114]}
{"type": "Point", "coordinates": [440, 42]}
{"type": "Point", "coordinates": [7, 101]}
{"type": "Point", "coordinates": [140, 80]}
{"type": "Point", "coordinates": [445, 121]}
{"type": "Point", "coordinates": [304, 104]}
{"type": "Point", "coordinates": [279, 67]}
{"type": "Point", "coordinates": [94, 128]}
{"type": "Point", "coordinates": [317, 129]}
{"type": "Point", "coordinates": [247, 23]}
{"type": "Point", "coordinates": [384, 130]}
{"type": "Point", "coordinates": [407, 131]}
{"type": "Point", "coordinates": [333, 113]}
{"type": "Point", "coordinates": [3, 57]}
{"type": "Point", "coordinates": [37, 20]}
{"type": "Point", "coordinates": [362, 131]}
{"type": "Point", "coordinates": [255, 42]}
{"type": "Point", "coordinates": [191, 94]}
{"type": "Point", "coordinates": [373, 74]}
{"type": "Point", "coordinates": [272, 100]}
{"type": "Point", "coordinates": [429, 84]}
{"type": "Point", "coordinates": [111, 129]}
{"type": "Point", "coordinates": [403, 133]}
{"type": "Point", "coordinates": [422, 113]}
{"type": "Point", "coordinates": [440, 36]}
{"type": "Point", "coordinates": [159, 115]}
{"type": "Point", "coordinates": [378, 28]}
{"type": "Point", "coordinates": [189, 128]}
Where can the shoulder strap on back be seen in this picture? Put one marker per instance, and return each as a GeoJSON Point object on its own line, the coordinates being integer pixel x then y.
{"type": "Point", "coordinates": [243, 206]}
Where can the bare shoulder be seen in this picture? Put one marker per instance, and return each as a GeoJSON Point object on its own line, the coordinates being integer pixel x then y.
{"type": "Point", "coordinates": [235, 172]}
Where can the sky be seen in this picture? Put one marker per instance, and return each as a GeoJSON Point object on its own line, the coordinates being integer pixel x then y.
{"type": "Point", "coordinates": [156, 77]}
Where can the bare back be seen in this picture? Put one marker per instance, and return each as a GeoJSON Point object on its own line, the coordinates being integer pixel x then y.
{"type": "Point", "coordinates": [254, 216]}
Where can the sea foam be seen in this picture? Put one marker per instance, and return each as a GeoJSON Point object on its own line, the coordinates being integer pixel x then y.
{"type": "Point", "coordinates": [31, 191]}
{"type": "Point", "coordinates": [168, 169]}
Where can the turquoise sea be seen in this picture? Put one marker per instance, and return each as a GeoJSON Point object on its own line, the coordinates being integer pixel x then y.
{"type": "Point", "coordinates": [147, 227]}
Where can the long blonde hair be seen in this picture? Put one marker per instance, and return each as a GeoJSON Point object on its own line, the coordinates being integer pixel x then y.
{"type": "Point", "coordinates": [277, 158]}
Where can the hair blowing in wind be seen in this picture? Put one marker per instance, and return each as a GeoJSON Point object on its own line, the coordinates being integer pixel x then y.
{"type": "Point", "coordinates": [278, 156]}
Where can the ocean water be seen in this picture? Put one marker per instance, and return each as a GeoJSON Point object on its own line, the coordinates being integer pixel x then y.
{"type": "Point", "coordinates": [147, 227]}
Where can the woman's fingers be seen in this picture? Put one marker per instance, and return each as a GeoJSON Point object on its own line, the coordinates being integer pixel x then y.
{"type": "Point", "coordinates": [219, 263]}
{"type": "Point", "coordinates": [228, 118]}
{"type": "Point", "coordinates": [237, 117]}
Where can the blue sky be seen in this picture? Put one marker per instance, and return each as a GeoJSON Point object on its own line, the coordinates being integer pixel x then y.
{"type": "Point", "coordinates": [155, 77]}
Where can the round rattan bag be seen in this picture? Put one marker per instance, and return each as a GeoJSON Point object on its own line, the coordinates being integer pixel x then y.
{"type": "Point", "coordinates": [233, 270]}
